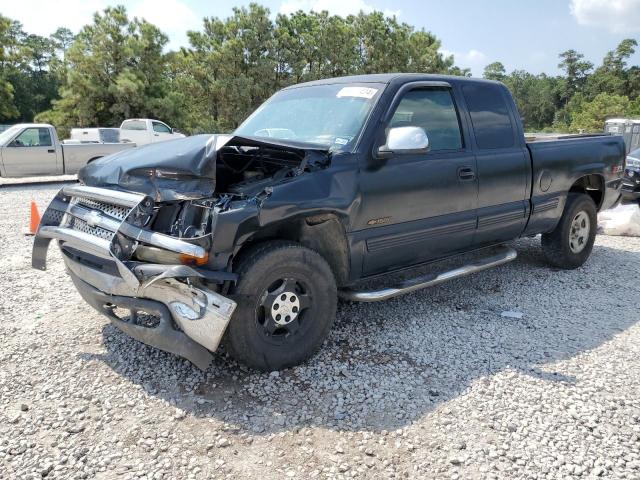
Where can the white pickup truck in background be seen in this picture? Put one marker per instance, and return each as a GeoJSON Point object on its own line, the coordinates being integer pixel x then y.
{"type": "Point", "coordinates": [142, 131]}
{"type": "Point", "coordinates": [33, 149]}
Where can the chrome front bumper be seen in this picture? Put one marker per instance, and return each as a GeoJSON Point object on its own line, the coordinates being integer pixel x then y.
{"type": "Point", "coordinates": [102, 224]}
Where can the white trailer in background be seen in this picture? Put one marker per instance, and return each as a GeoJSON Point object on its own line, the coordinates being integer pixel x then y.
{"type": "Point", "coordinates": [628, 128]}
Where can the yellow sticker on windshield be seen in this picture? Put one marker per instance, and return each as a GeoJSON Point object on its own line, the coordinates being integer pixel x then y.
{"type": "Point", "coordinates": [360, 92]}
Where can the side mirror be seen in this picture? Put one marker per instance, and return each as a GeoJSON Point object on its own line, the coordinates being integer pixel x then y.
{"type": "Point", "coordinates": [404, 140]}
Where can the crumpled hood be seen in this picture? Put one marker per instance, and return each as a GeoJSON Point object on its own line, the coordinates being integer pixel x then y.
{"type": "Point", "coordinates": [178, 169]}
{"type": "Point", "coordinates": [172, 170]}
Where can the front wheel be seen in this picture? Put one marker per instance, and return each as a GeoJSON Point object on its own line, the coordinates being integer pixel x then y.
{"type": "Point", "coordinates": [569, 245]}
{"type": "Point", "coordinates": [287, 301]}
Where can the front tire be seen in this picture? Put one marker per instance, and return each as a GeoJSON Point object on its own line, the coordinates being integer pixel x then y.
{"type": "Point", "coordinates": [287, 299]}
{"type": "Point", "coordinates": [569, 245]}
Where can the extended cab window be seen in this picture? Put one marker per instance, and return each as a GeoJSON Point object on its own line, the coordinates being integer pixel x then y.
{"type": "Point", "coordinates": [489, 116]}
{"type": "Point", "coordinates": [34, 137]}
{"type": "Point", "coordinates": [160, 128]}
{"type": "Point", "coordinates": [134, 125]}
{"type": "Point", "coordinates": [434, 111]}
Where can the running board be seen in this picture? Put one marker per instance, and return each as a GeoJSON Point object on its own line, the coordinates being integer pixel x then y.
{"type": "Point", "coordinates": [503, 255]}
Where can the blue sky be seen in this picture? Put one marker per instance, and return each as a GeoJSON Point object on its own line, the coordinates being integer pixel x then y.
{"type": "Point", "coordinates": [522, 34]}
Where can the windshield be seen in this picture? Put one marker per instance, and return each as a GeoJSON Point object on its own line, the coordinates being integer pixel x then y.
{"type": "Point", "coordinates": [330, 115]}
{"type": "Point", "coordinates": [7, 134]}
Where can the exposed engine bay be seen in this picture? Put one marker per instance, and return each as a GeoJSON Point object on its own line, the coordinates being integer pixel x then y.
{"type": "Point", "coordinates": [203, 165]}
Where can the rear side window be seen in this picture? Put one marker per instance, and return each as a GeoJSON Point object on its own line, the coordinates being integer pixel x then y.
{"type": "Point", "coordinates": [435, 112]}
{"type": "Point", "coordinates": [134, 125]}
{"type": "Point", "coordinates": [489, 115]}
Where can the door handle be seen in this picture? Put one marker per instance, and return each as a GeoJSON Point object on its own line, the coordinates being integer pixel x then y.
{"type": "Point", "coordinates": [466, 174]}
{"type": "Point", "coordinates": [156, 134]}
{"type": "Point", "coordinates": [51, 150]}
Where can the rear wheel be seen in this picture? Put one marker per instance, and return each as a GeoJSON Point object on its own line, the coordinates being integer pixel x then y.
{"type": "Point", "coordinates": [286, 306]}
{"type": "Point", "coordinates": [569, 245]}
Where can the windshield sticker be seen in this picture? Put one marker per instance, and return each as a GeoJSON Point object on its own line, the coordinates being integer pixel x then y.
{"type": "Point", "coordinates": [341, 141]}
{"type": "Point", "coordinates": [360, 92]}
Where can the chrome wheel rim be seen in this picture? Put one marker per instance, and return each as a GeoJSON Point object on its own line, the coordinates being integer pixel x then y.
{"type": "Point", "coordinates": [579, 232]}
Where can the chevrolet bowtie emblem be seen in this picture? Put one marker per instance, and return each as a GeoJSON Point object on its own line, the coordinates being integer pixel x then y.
{"type": "Point", "coordinates": [93, 218]}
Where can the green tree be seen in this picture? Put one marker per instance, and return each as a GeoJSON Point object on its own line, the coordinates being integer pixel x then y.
{"type": "Point", "coordinates": [613, 76]}
{"type": "Point", "coordinates": [117, 69]}
{"type": "Point", "coordinates": [62, 38]}
{"type": "Point", "coordinates": [495, 71]}
{"type": "Point", "coordinates": [8, 109]}
{"type": "Point", "coordinates": [576, 72]}
{"type": "Point", "coordinates": [590, 116]}
{"type": "Point", "coordinates": [537, 97]}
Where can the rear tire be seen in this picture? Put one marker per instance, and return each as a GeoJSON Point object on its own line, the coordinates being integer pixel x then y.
{"type": "Point", "coordinates": [569, 245]}
{"type": "Point", "coordinates": [287, 299]}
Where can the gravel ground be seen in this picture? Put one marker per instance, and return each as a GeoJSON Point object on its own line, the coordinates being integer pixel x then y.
{"type": "Point", "coordinates": [437, 384]}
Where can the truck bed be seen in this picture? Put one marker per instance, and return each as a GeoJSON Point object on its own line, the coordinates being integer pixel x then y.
{"type": "Point", "coordinates": [556, 161]}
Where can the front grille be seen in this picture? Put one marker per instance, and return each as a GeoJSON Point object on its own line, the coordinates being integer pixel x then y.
{"type": "Point", "coordinates": [82, 226]}
{"type": "Point", "coordinates": [86, 219]}
{"type": "Point", "coordinates": [115, 211]}
{"type": "Point", "coordinates": [106, 211]}
{"type": "Point", "coordinates": [92, 216]}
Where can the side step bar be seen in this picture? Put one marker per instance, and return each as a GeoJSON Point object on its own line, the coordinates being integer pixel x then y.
{"type": "Point", "coordinates": [503, 255]}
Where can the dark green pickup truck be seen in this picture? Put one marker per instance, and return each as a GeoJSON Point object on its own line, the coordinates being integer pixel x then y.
{"type": "Point", "coordinates": [250, 238]}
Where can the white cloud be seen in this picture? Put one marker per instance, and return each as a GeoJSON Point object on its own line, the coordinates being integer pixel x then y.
{"type": "Point", "coordinates": [335, 7]}
{"type": "Point", "coordinates": [617, 16]}
{"type": "Point", "coordinates": [173, 17]}
{"type": "Point", "coordinates": [473, 59]}
{"type": "Point", "coordinates": [43, 17]}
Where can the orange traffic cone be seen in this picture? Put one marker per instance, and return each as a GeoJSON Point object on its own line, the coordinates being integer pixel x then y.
{"type": "Point", "coordinates": [34, 219]}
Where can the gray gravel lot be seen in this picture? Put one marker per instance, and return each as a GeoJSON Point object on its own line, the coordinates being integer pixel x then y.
{"type": "Point", "coordinates": [435, 384]}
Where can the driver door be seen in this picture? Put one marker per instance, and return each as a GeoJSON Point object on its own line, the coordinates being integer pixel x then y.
{"type": "Point", "coordinates": [30, 153]}
{"type": "Point", "coordinates": [418, 207]}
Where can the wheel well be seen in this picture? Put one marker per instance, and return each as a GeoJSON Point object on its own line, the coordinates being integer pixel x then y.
{"type": "Point", "coordinates": [592, 185]}
{"type": "Point", "coordinates": [323, 233]}
{"type": "Point", "coordinates": [94, 158]}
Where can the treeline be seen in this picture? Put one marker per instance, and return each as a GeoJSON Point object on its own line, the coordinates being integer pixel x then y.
{"type": "Point", "coordinates": [118, 67]}
{"type": "Point", "coordinates": [580, 99]}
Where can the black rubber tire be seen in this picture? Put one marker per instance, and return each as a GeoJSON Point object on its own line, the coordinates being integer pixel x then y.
{"type": "Point", "coordinates": [257, 269]}
{"type": "Point", "coordinates": [555, 244]}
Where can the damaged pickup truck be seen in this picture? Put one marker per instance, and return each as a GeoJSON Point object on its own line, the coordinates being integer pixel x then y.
{"type": "Point", "coordinates": [249, 239]}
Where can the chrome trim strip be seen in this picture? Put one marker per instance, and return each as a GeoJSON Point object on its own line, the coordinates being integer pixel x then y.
{"type": "Point", "coordinates": [504, 256]}
{"type": "Point", "coordinates": [77, 239]}
{"type": "Point", "coordinates": [124, 199]}
{"type": "Point", "coordinates": [162, 241]}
